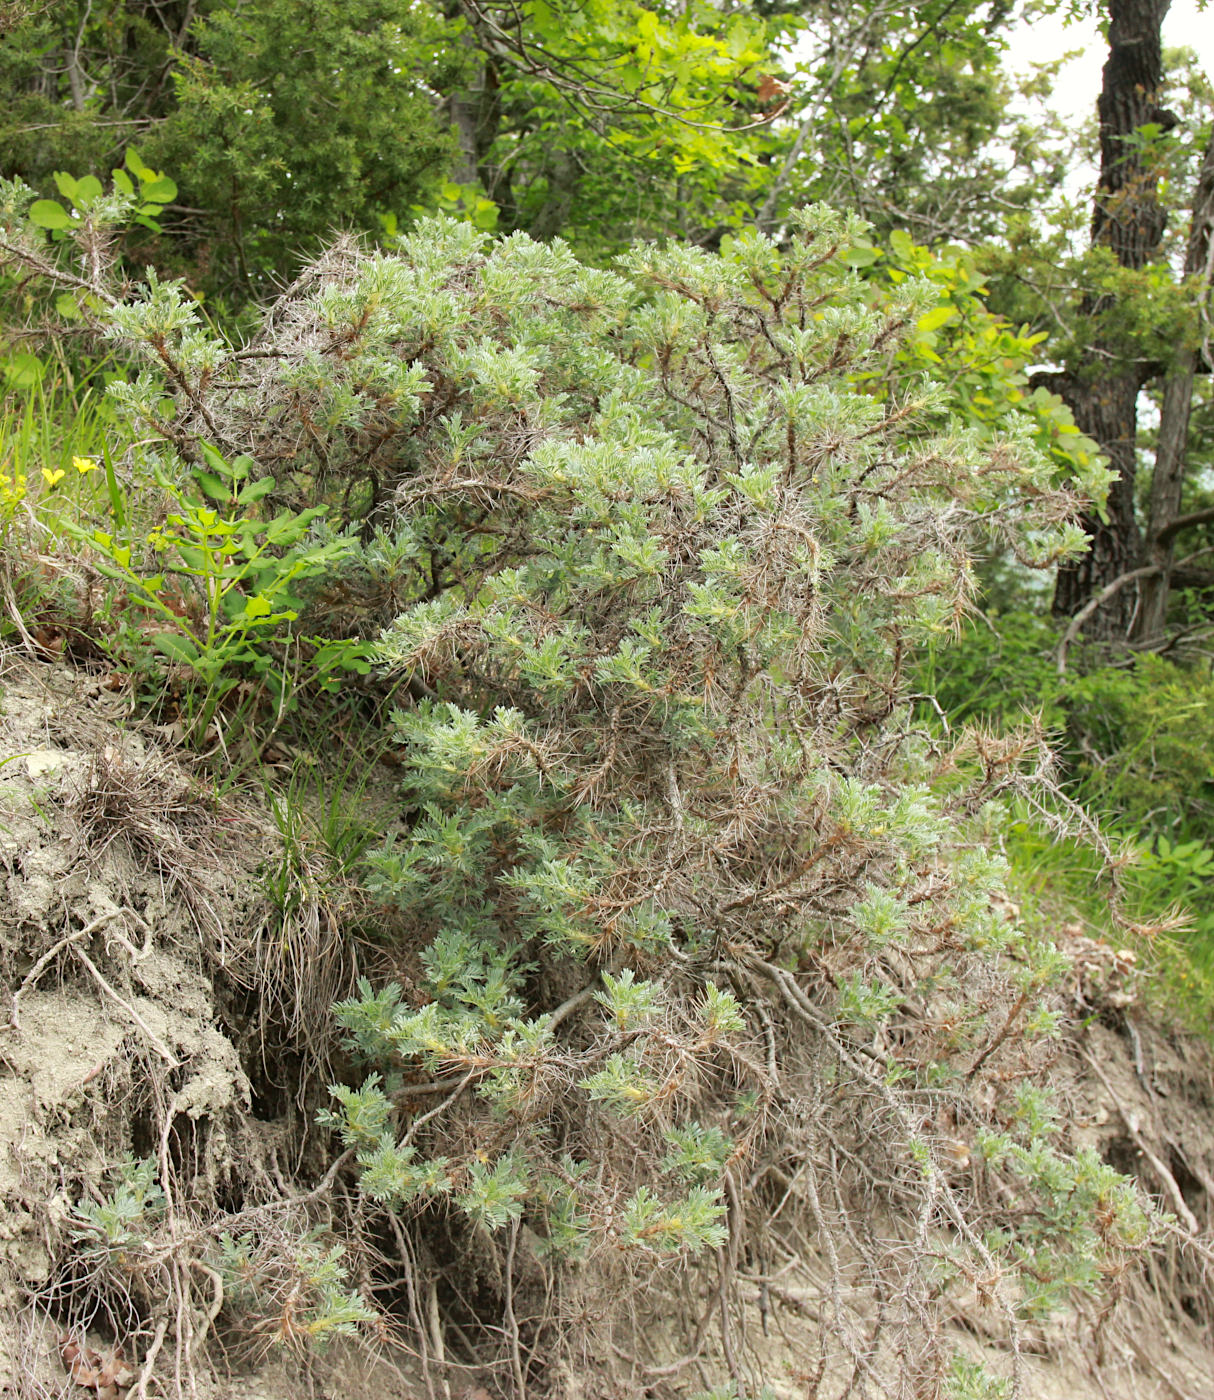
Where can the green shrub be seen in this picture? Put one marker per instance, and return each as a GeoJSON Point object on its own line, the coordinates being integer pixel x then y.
{"type": "Point", "coordinates": [1134, 743]}
{"type": "Point", "coordinates": [295, 1294]}
{"type": "Point", "coordinates": [128, 1215]}
{"type": "Point", "coordinates": [291, 117]}
{"type": "Point", "coordinates": [220, 582]}
{"type": "Point", "coordinates": [707, 946]}
{"type": "Point", "coordinates": [1141, 743]}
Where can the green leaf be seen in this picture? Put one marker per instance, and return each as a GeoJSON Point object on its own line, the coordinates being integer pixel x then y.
{"type": "Point", "coordinates": [936, 318]}
{"type": "Point", "coordinates": [113, 491]}
{"type": "Point", "coordinates": [123, 182]}
{"type": "Point", "coordinates": [215, 459]}
{"type": "Point", "coordinates": [134, 163]}
{"type": "Point", "coordinates": [630, 77]}
{"type": "Point", "coordinates": [65, 306]}
{"type": "Point", "coordinates": [65, 184]}
{"type": "Point", "coordinates": [163, 190]}
{"type": "Point", "coordinates": [284, 530]}
{"type": "Point", "coordinates": [257, 606]}
{"type": "Point", "coordinates": [195, 560]}
{"type": "Point", "coordinates": [901, 244]}
{"type": "Point", "coordinates": [177, 647]}
{"type": "Point", "coordinates": [23, 371]}
{"type": "Point", "coordinates": [213, 487]}
{"type": "Point", "coordinates": [88, 189]}
{"type": "Point", "coordinates": [485, 215]}
{"type": "Point", "coordinates": [256, 491]}
{"type": "Point", "coordinates": [48, 213]}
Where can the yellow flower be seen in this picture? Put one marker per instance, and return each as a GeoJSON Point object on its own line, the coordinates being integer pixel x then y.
{"type": "Point", "coordinates": [12, 488]}
{"type": "Point", "coordinates": [53, 478]}
{"type": "Point", "coordinates": [84, 464]}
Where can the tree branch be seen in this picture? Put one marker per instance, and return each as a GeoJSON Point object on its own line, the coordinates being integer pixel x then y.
{"type": "Point", "coordinates": [1182, 522]}
{"type": "Point", "coordinates": [1097, 600]}
{"type": "Point", "coordinates": [1110, 590]}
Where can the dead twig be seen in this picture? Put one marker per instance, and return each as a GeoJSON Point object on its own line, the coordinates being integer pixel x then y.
{"type": "Point", "coordinates": [156, 1043]}
{"type": "Point", "coordinates": [140, 1389]}
{"type": "Point", "coordinates": [511, 1321]}
{"type": "Point", "coordinates": [31, 977]}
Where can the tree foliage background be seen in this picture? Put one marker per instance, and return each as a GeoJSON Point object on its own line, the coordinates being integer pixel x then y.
{"type": "Point", "coordinates": [641, 506]}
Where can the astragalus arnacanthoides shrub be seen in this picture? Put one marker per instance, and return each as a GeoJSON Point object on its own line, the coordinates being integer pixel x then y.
{"type": "Point", "coordinates": [716, 1006]}
{"type": "Point", "coordinates": [714, 961]}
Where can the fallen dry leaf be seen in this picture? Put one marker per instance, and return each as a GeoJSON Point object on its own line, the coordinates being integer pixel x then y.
{"type": "Point", "coordinates": [771, 89]}
{"type": "Point", "coordinates": [108, 1375]}
{"type": "Point", "coordinates": [50, 640]}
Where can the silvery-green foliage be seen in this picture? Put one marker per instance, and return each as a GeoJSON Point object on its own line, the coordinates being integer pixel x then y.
{"type": "Point", "coordinates": [128, 1214]}
{"type": "Point", "coordinates": [694, 536]}
{"type": "Point", "coordinates": [702, 928]}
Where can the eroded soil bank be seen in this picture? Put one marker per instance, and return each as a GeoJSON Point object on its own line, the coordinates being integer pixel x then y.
{"type": "Point", "coordinates": [142, 1022]}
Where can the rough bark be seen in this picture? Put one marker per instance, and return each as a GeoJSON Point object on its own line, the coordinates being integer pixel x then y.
{"type": "Point", "coordinates": [1105, 409]}
{"type": "Point", "coordinates": [1167, 483]}
{"type": "Point", "coordinates": [1128, 219]}
{"type": "Point", "coordinates": [476, 108]}
{"type": "Point", "coordinates": [1127, 215]}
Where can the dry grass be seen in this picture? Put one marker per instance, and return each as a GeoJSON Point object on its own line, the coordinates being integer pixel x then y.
{"type": "Point", "coordinates": [166, 822]}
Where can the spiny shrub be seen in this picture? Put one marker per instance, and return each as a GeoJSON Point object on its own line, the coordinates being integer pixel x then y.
{"type": "Point", "coordinates": [713, 982]}
{"type": "Point", "coordinates": [1135, 740]}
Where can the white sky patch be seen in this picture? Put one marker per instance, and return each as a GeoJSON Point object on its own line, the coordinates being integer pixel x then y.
{"type": "Point", "coordinates": [1078, 84]}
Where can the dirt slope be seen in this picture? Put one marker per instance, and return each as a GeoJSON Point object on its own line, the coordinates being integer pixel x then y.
{"type": "Point", "coordinates": [131, 898]}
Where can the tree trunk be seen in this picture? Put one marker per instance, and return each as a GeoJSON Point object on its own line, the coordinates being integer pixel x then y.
{"type": "Point", "coordinates": [1128, 219]}
{"type": "Point", "coordinates": [476, 109]}
{"type": "Point", "coordinates": [1170, 456]}
{"type": "Point", "coordinates": [1106, 410]}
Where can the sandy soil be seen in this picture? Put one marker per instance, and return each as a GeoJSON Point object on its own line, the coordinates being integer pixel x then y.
{"type": "Point", "coordinates": [126, 890]}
